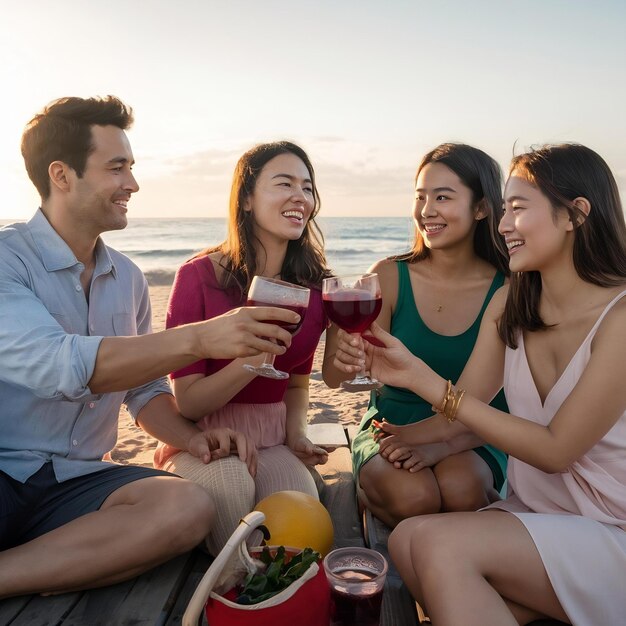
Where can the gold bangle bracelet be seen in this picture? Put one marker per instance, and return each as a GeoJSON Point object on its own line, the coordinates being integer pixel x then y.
{"type": "Point", "coordinates": [450, 403]}
{"type": "Point", "coordinates": [458, 396]}
{"type": "Point", "coordinates": [448, 397]}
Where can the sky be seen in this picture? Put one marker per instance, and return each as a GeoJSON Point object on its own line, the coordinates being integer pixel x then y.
{"type": "Point", "coordinates": [365, 87]}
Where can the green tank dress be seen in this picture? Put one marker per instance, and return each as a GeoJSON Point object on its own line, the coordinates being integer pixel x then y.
{"type": "Point", "coordinates": [445, 355]}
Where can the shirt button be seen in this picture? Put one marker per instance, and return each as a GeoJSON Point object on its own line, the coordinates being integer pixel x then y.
{"type": "Point", "coordinates": [77, 287]}
{"type": "Point", "coordinates": [91, 405]}
{"type": "Point", "coordinates": [74, 442]}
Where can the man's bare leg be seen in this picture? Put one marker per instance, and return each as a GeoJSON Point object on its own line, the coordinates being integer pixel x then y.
{"type": "Point", "coordinates": [140, 525]}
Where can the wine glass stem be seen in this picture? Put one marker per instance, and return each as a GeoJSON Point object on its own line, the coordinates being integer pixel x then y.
{"type": "Point", "coordinates": [362, 373]}
{"type": "Point", "coordinates": [269, 359]}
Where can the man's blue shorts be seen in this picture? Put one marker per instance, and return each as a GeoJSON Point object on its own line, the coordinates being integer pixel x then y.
{"type": "Point", "coordinates": [41, 504]}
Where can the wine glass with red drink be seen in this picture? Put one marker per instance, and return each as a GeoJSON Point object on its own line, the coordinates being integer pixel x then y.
{"type": "Point", "coordinates": [353, 303]}
{"type": "Point", "coordinates": [272, 292]}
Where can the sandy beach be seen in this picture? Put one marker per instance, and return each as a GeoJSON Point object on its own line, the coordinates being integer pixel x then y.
{"type": "Point", "coordinates": [326, 405]}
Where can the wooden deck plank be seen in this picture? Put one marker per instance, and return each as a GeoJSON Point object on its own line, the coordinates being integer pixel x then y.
{"type": "Point", "coordinates": [199, 567]}
{"type": "Point", "coordinates": [12, 607]}
{"type": "Point", "coordinates": [339, 497]}
{"type": "Point", "coordinates": [38, 610]}
{"type": "Point", "coordinates": [142, 601]}
{"type": "Point", "coordinates": [98, 606]}
{"type": "Point", "coordinates": [398, 608]}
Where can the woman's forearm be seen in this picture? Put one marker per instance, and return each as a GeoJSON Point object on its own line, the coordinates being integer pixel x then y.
{"type": "Point", "coordinates": [161, 419]}
{"type": "Point", "coordinates": [465, 441]}
{"type": "Point", "coordinates": [210, 393]}
{"type": "Point", "coordinates": [297, 406]}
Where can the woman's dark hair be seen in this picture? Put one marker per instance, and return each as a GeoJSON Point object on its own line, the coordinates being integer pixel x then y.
{"type": "Point", "coordinates": [304, 264]}
{"type": "Point", "coordinates": [563, 173]}
{"type": "Point", "coordinates": [482, 175]}
{"type": "Point", "coordinates": [62, 132]}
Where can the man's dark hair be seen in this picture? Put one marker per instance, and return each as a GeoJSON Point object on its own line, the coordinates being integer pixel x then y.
{"type": "Point", "coordinates": [62, 132]}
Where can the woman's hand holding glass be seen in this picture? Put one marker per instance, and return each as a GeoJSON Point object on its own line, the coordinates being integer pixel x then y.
{"type": "Point", "coordinates": [386, 357]}
{"type": "Point", "coordinates": [350, 355]}
{"type": "Point", "coordinates": [352, 303]}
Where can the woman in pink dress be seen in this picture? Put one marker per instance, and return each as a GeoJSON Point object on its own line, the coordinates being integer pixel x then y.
{"type": "Point", "coordinates": [556, 339]}
{"type": "Point", "coordinates": [271, 232]}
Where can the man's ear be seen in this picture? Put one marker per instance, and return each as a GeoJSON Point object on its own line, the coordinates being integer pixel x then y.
{"type": "Point", "coordinates": [59, 174]}
{"type": "Point", "coordinates": [482, 210]}
{"type": "Point", "coordinates": [583, 208]}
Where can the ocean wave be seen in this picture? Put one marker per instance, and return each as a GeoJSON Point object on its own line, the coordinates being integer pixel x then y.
{"type": "Point", "coordinates": [180, 252]}
{"type": "Point", "coordinates": [366, 235]}
{"type": "Point", "coordinates": [353, 252]}
{"type": "Point", "coordinates": [344, 251]}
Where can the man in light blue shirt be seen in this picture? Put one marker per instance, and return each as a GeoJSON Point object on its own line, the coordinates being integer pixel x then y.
{"type": "Point", "coordinates": [76, 343]}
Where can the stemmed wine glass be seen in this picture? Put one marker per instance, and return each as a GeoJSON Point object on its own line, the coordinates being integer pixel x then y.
{"type": "Point", "coordinates": [353, 303]}
{"type": "Point", "coordinates": [273, 292]}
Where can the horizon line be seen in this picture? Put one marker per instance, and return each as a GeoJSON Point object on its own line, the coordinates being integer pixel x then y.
{"type": "Point", "coordinates": [208, 217]}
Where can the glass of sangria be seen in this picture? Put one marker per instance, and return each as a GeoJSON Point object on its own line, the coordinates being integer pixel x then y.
{"type": "Point", "coordinates": [353, 303]}
{"type": "Point", "coordinates": [357, 578]}
{"type": "Point", "coordinates": [273, 292]}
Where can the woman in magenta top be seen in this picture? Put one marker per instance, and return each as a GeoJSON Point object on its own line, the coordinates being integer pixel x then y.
{"type": "Point", "coordinates": [271, 233]}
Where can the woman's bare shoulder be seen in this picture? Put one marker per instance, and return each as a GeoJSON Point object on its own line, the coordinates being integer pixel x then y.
{"type": "Point", "coordinates": [496, 304]}
{"type": "Point", "coordinates": [384, 266]}
{"type": "Point", "coordinates": [614, 323]}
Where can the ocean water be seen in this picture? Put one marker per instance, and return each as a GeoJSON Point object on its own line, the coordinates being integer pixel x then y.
{"type": "Point", "coordinates": [159, 246]}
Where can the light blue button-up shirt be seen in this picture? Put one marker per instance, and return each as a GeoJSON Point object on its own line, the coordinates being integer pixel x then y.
{"type": "Point", "coordinates": [49, 339]}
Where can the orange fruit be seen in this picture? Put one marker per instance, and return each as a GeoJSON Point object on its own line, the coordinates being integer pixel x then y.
{"type": "Point", "coordinates": [297, 519]}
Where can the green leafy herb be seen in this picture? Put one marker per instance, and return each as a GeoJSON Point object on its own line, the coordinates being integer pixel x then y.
{"type": "Point", "coordinates": [278, 575]}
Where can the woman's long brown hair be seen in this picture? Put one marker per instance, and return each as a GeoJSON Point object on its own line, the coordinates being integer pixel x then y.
{"type": "Point", "coordinates": [305, 262]}
{"type": "Point", "coordinates": [563, 173]}
{"type": "Point", "coordinates": [482, 175]}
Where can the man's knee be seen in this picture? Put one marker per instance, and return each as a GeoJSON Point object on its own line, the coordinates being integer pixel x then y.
{"type": "Point", "coordinates": [186, 514]}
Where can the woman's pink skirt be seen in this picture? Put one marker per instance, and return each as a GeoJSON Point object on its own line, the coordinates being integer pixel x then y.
{"type": "Point", "coordinates": [263, 423]}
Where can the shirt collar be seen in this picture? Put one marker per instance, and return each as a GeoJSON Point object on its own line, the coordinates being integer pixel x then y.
{"type": "Point", "coordinates": [104, 262]}
{"type": "Point", "coordinates": [56, 254]}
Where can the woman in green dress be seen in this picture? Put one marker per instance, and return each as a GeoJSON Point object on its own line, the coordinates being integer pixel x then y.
{"type": "Point", "coordinates": [433, 300]}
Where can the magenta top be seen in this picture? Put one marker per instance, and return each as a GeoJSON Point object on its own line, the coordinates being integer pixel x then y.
{"type": "Point", "coordinates": [197, 295]}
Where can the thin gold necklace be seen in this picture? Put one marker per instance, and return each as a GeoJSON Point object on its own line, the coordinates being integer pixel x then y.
{"type": "Point", "coordinates": [438, 307]}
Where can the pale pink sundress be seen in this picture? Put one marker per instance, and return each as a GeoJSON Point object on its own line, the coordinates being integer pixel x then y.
{"type": "Point", "coordinates": [575, 518]}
